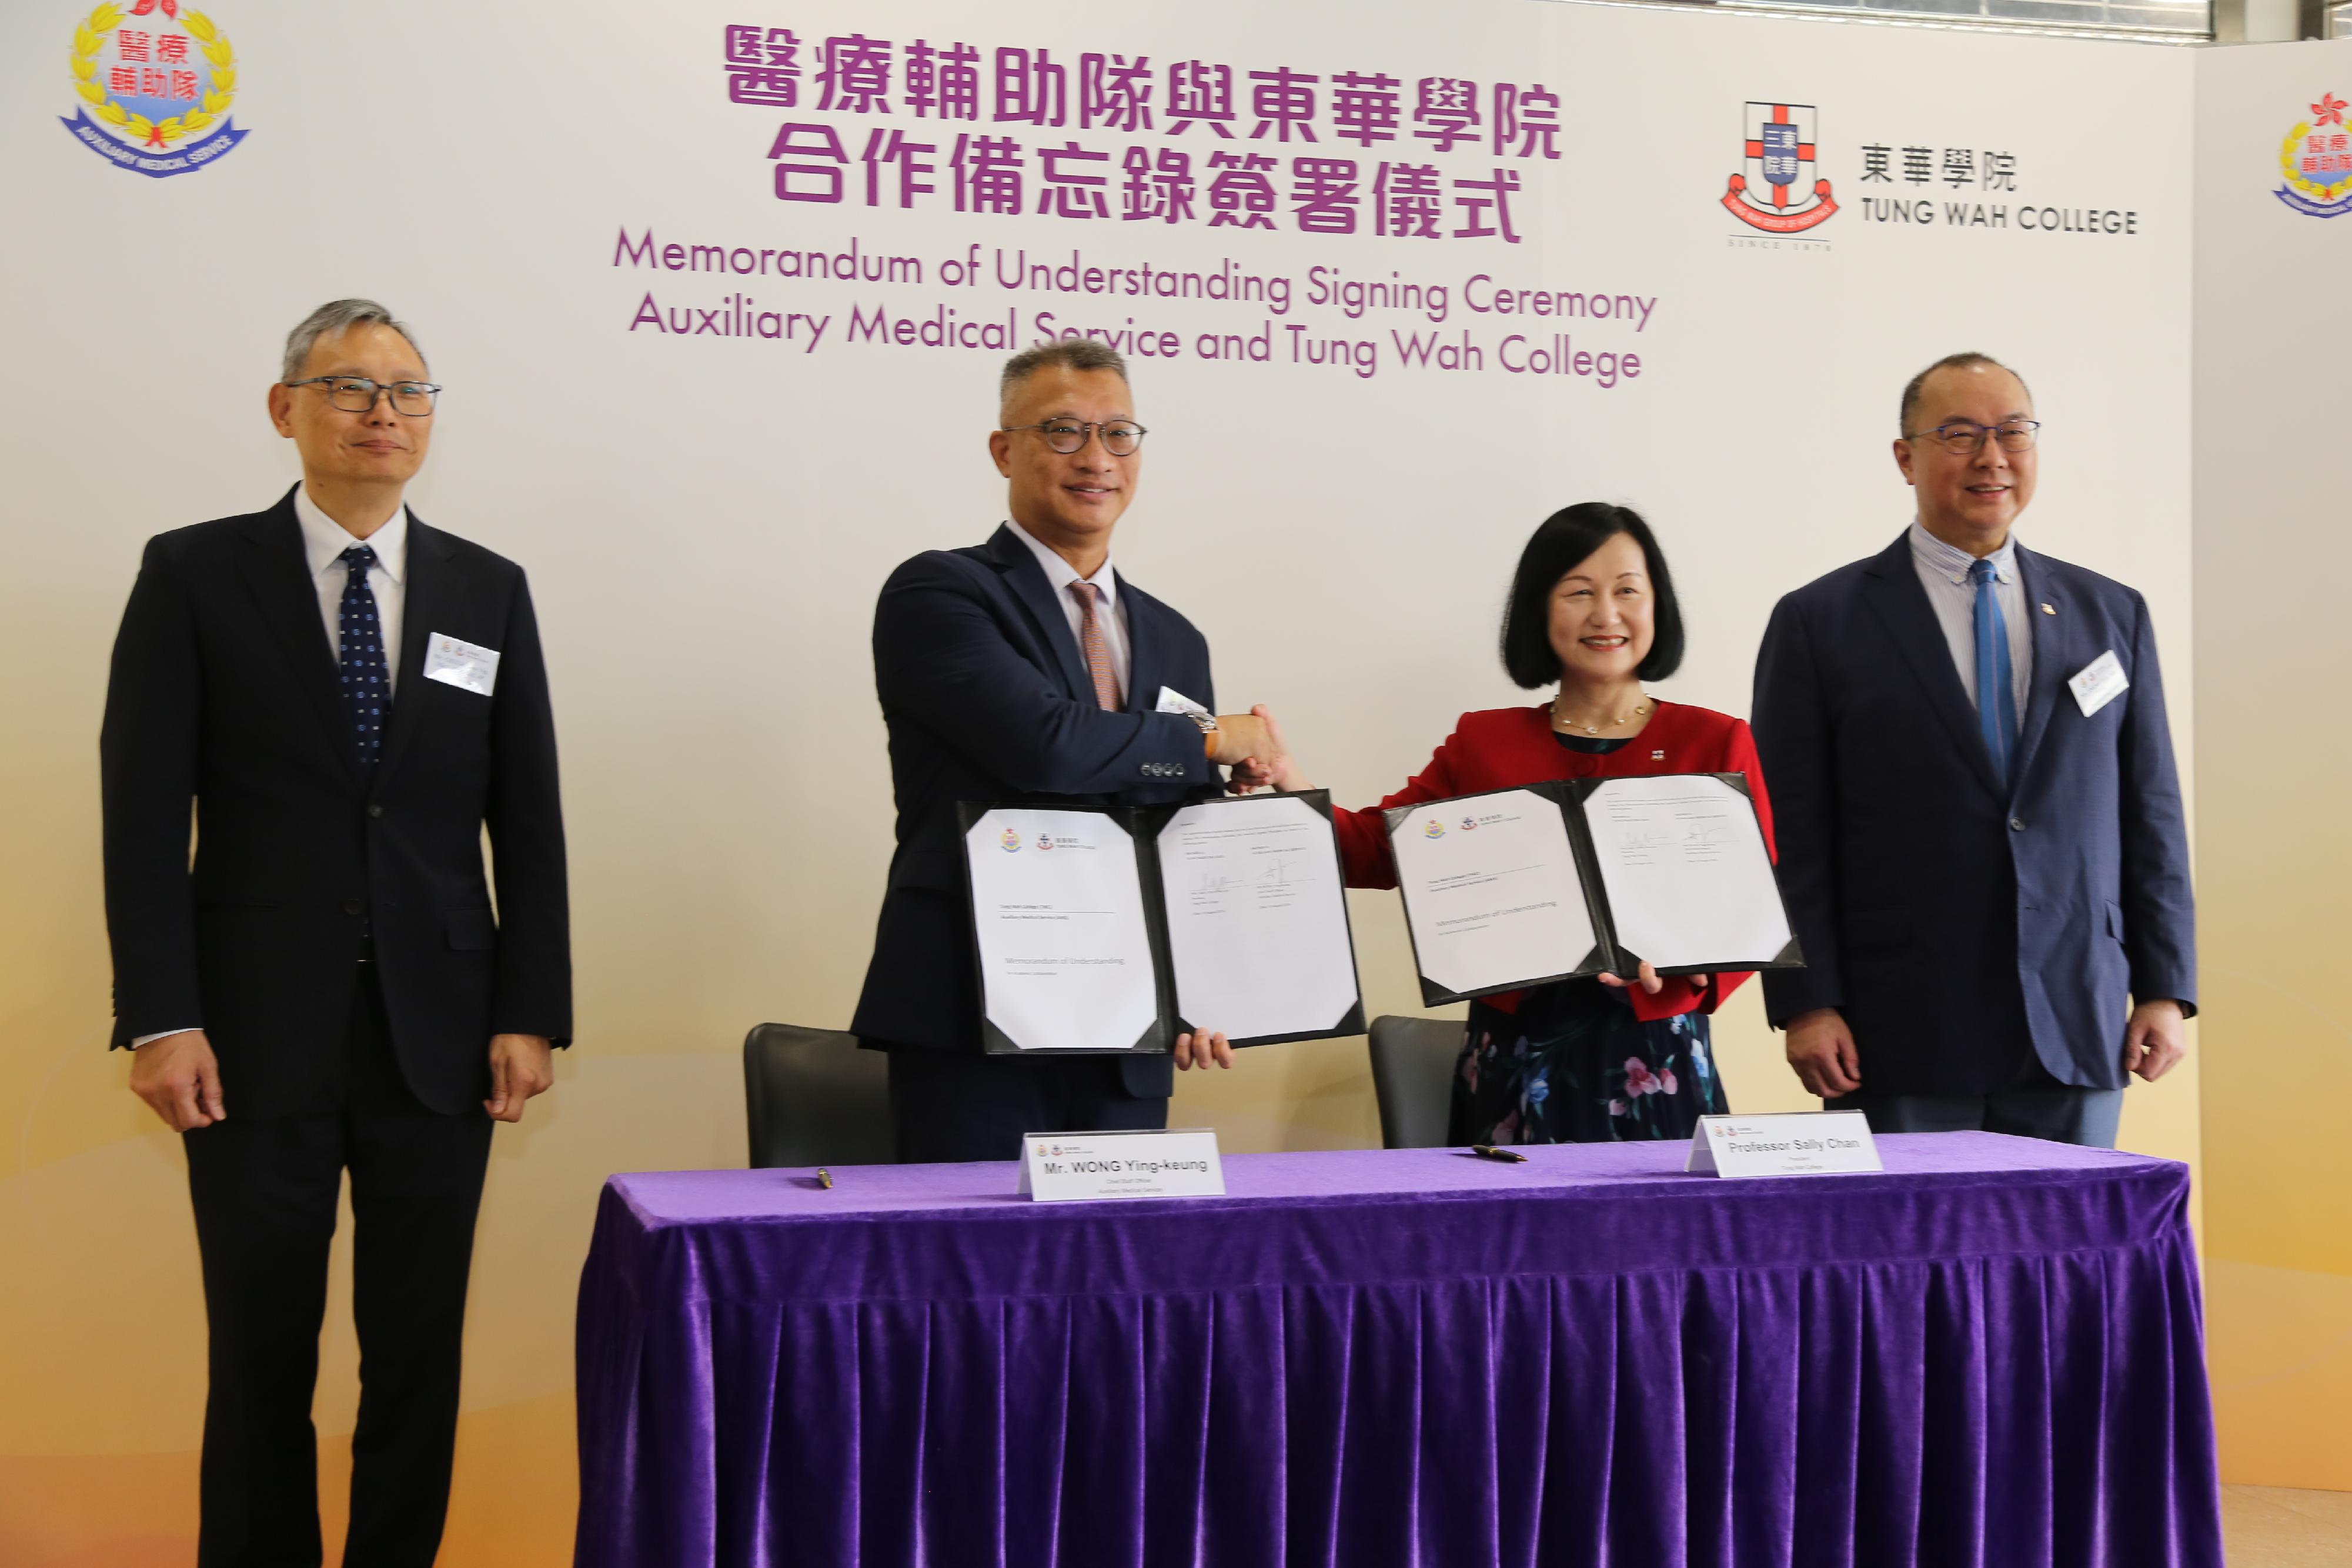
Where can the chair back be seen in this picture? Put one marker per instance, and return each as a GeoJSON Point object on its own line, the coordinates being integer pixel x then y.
{"type": "Point", "coordinates": [1413, 1075]}
{"type": "Point", "coordinates": [812, 1098]}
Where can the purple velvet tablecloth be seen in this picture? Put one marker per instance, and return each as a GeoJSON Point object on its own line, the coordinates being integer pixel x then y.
{"type": "Point", "coordinates": [1990, 1355]}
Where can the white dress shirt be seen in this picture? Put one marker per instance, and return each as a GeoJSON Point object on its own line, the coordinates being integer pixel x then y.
{"type": "Point", "coordinates": [323, 541]}
{"type": "Point", "coordinates": [1111, 617]}
{"type": "Point", "coordinates": [1944, 573]}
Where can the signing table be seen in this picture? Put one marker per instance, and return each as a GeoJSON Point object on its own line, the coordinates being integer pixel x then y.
{"type": "Point", "coordinates": [1989, 1355]}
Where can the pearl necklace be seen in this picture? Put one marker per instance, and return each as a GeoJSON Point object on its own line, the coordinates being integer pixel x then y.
{"type": "Point", "coordinates": [1561, 721]}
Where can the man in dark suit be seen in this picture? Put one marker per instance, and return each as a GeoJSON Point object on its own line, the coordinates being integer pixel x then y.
{"type": "Point", "coordinates": [348, 697]}
{"type": "Point", "coordinates": [1981, 839]}
{"type": "Point", "coordinates": [1027, 667]}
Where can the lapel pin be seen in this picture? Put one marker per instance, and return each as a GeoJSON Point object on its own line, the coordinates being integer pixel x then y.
{"type": "Point", "coordinates": [1657, 757]}
{"type": "Point", "coordinates": [2049, 609]}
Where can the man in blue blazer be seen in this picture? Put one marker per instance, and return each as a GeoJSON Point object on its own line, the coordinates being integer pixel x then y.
{"type": "Point", "coordinates": [1981, 830]}
{"type": "Point", "coordinates": [1021, 668]}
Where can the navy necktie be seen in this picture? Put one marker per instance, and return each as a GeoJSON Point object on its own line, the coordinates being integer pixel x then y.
{"type": "Point", "coordinates": [366, 686]}
{"type": "Point", "coordinates": [1996, 694]}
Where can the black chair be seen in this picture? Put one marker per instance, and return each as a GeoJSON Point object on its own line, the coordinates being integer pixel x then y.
{"type": "Point", "coordinates": [812, 1098]}
{"type": "Point", "coordinates": [1413, 1076]}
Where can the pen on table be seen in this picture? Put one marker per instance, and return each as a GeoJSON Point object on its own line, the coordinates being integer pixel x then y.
{"type": "Point", "coordinates": [823, 1177]}
{"type": "Point", "coordinates": [1490, 1152]}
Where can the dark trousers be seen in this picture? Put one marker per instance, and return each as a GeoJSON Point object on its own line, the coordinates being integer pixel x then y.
{"type": "Point", "coordinates": [953, 1106]}
{"type": "Point", "coordinates": [265, 1195]}
{"type": "Point", "coordinates": [2033, 1106]}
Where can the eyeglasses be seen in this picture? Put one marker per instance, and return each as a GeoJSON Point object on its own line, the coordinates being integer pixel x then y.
{"type": "Point", "coordinates": [1965, 438]}
{"type": "Point", "coordinates": [357, 394]}
{"type": "Point", "coordinates": [1120, 437]}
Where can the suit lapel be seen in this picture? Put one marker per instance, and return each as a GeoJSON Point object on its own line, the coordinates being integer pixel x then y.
{"type": "Point", "coordinates": [1891, 588]}
{"type": "Point", "coordinates": [1143, 650]}
{"type": "Point", "coordinates": [1036, 595]}
{"type": "Point", "coordinates": [2041, 693]}
{"type": "Point", "coordinates": [279, 574]}
{"type": "Point", "coordinates": [428, 596]}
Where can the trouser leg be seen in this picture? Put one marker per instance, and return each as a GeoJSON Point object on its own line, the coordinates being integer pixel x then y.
{"type": "Point", "coordinates": [264, 1194]}
{"type": "Point", "coordinates": [2060, 1113]}
{"type": "Point", "coordinates": [1916, 1112]}
{"type": "Point", "coordinates": [416, 1186]}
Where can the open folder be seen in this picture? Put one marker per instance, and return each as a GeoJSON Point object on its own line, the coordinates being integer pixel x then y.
{"type": "Point", "coordinates": [1566, 878]}
{"type": "Point", "coordinates": [1112, 930]}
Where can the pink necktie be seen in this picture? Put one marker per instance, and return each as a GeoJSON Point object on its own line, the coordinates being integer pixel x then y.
{"type": "Point", "coordinates": [1090, 643]}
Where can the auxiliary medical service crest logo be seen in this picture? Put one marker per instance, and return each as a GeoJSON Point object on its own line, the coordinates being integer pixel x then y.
{"type": "Point", "coordinates": [1010, 840]}
{"type": "Point", "coordinates": [155, 84]}
{"type": "Point", "coordinates": [1777, 190]}
{"type": "Point", "coordinates": [1432, 828]}
{"type": "Point", "coordinates": [2317, 159]}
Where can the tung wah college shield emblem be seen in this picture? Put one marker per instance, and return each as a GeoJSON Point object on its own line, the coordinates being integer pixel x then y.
{"type": "Point", "coordinates": [1778, 188]}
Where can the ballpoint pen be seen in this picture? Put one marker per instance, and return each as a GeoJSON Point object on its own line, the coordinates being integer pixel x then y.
{"type": "Point", "coordinates": [1490, 1152]}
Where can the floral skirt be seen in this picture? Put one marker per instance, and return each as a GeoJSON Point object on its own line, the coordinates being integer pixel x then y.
{"type": "Point", "coordinates": [1574, 1065]}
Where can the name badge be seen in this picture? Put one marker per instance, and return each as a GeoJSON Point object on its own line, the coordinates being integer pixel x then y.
{"type": "Point", "coordinates": [1795, 1143]}
{"type": "Point", "coordinates": [468, 667]}
{"type": "Point", "coordinates": [2101, 682]}
{"type": "Point", "coordinates": [1179, 1163]}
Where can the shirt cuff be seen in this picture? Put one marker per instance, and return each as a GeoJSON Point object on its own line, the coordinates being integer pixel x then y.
{"type": "Point", "coordinates": [164, 1034]}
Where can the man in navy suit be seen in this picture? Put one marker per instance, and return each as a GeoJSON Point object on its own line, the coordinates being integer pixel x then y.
{"type": "Point", "coordinates": [1021, 668]}
{"type": "Point", "coordinates": [1981, 840]}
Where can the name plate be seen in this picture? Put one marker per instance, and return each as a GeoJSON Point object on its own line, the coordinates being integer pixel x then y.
{"type": "Point", "coordinates": [1179, 1163]}
{"type": "Point", "coordinates": [1795, 1143]}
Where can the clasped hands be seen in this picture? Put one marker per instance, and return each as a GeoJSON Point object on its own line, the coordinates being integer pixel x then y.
{"type": "Point", "coordinates": [179, 1077]}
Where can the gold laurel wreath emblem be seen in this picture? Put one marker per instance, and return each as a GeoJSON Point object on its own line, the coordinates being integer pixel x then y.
{"type": "Point", "coordinates": [89, 37]}
{"type": "Point", "coordinates": [2294, 174]}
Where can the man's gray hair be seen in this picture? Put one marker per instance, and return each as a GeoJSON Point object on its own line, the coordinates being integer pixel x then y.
{"type": "Point", "coordinates": [1070, 354]}
{"type": "Point", "coordinates": [1967, 359]}
{"type": "Point", "coordinates": [335, 317]}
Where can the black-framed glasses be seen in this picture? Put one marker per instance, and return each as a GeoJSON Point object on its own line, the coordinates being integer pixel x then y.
{"type": "Point", "coordinates": [1965, 438]}
{"type": "Point", "coordinates": [357, 394]}
{"type": "Point", "coordinates": [1120, 437]}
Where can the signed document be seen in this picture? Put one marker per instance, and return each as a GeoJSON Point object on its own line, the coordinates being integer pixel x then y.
{"type": "Point", "coordinates": [1065, 958]}
{"type": "Point", "coordinates": [1257, 918]}
{"type": "Point", "coordinates": [1560, 879]}
{"type": "Point", "coordinates": [1688, 881]}
{"type": "Point", "coordinates": [1108, 929]}
{"type": "Point", "coordinates": [1493, 898]}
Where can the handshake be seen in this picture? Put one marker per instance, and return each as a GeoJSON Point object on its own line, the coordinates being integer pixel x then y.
{"type": "Point", "coordinates": [1251, 744]}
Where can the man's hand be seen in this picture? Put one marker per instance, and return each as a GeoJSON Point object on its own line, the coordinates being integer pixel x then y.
{"type": "Point", "coordinates": [521, 1065]}
{"type": "Point", "coordinates": [1241, 737]}
{"type": "Point", "coordinates": [2156, 1038]}
{"type": "Point", "coordinates": [180, 1079]}
{"type": "Point", "coordinates": [1821, 1047]}
{"type": "Point", "coordinates": [1276, 769]}
{"type": "Point", "coordinates": [1201, 1049]}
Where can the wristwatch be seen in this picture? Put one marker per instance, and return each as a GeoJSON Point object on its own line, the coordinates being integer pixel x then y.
{"type": "Point", "coordinates": [1208, 730]}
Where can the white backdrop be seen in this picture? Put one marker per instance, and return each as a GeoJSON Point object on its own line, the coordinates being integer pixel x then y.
{"type": "Point", "coordinates": [706, 518]}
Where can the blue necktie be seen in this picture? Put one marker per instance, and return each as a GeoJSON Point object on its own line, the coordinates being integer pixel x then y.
{"type": "Point", "coordinates": [367, 687]}
{"type": "Point", "coordinates": [1996, 696]}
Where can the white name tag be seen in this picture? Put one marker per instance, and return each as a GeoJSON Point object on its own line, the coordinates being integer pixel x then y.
{"type": "Point", "coordinates": [2101, 682]}
{"type": "Point", "coordinates": [468, 667]}
{"type": "Point", "coordinates": [1173, 701]}
{"type": "Point", "coordinates": [1179, 1163]}
{"type": "Point", "coordinates": [1795, 1143]}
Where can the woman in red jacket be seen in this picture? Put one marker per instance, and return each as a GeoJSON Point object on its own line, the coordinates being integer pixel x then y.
{"type": "Point", "coordinates": [1592, 608]}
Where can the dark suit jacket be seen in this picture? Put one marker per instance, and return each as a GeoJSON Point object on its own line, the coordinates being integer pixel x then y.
{"type": "Point", "coordinates": [224, 692]}
{"type": "Point", "coordinates": [1945, 913]}
{"type": "Point", "coordinates": [986, 700]}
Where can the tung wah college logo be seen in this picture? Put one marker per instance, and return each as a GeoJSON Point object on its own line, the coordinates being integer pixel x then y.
{"type": "Point", "coordinates": [1778, 188]}
{"type": "Point", "coordinates": [155, 83]}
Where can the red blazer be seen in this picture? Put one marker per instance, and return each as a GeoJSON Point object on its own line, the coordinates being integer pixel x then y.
{"type": "Point", "coordinates": [1505, 747]}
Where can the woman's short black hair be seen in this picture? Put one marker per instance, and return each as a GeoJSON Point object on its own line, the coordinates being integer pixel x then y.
{"type": "Point", "coordinates": [1565, 538]}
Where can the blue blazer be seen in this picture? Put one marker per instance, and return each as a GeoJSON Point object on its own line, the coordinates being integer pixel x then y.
{"type": "Point", "coordinates": [986, 699]}
{"type": "Point", "coordinates": [1947, 914]}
